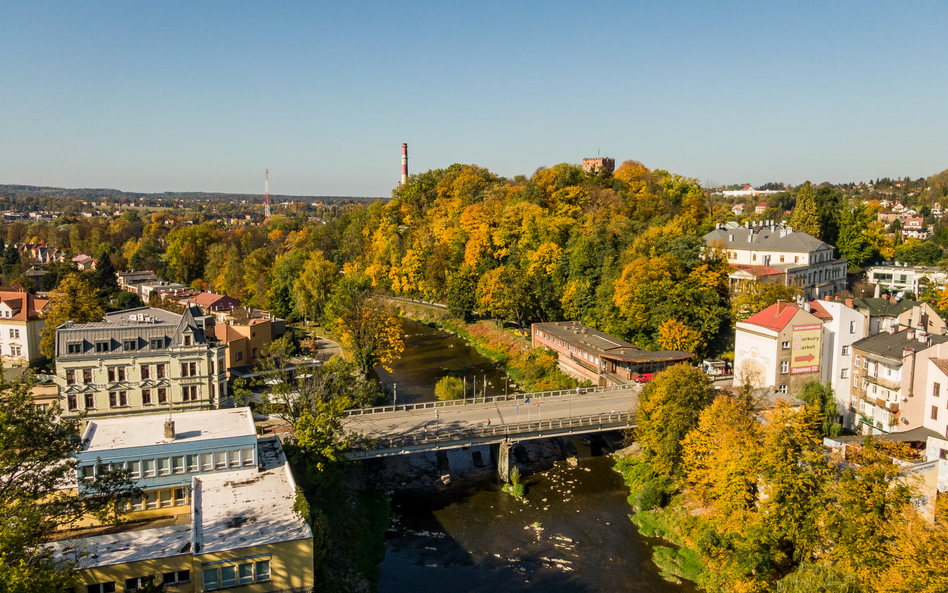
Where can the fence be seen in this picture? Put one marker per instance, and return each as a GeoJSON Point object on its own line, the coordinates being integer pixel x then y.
{"type": "Point", "coordinates": [487, 400]}
{"type": "Point", "coordinates": [502, 431]}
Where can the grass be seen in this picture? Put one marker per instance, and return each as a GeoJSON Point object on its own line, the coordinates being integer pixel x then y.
{"type": "Point", "coordinates": [677, 564]}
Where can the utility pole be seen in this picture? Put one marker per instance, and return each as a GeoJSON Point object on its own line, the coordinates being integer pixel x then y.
{"type": "Point", "coordinates": [395, 394]}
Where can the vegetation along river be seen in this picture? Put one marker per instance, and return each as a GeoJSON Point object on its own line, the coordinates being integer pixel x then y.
{"type": "Point", "coordinates": [570, 533]}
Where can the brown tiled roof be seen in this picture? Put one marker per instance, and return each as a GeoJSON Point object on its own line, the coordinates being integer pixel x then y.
{"type": "Point", "coordinates": [817, 310]}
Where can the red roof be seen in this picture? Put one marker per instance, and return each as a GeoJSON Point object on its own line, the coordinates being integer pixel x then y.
{"type": "Point", "coordinates": [756, 270]}
{"type": "Point", "coordinates": [819, 311]}
{"type": "Point", "coordinates": [776, 316]}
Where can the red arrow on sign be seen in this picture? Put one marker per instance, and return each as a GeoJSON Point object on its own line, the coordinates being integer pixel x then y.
{"type": "Point", "coordinates": [807, 358]}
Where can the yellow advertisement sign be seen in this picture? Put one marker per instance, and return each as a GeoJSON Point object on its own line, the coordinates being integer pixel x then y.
{"type": "Point", "coordinates": [805, 353]}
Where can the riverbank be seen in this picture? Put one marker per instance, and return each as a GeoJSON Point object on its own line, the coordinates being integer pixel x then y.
{"type": "Point", "coordinates": [531, 369]}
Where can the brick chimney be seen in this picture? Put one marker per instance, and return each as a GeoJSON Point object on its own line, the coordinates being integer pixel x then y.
{"type": "Point", "coordinates": [849, 303]}
{"type": "Point", "coordinates": [780, 306]}
{"type": "Point", "coordinates": [169, 429]}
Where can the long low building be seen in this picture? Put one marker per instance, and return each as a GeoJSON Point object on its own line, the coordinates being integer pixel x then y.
{"type": "Point", "coordinates": [587, 353]}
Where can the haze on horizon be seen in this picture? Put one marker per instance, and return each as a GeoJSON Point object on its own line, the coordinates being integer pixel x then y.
{"type": "Point", "coordinates": [179, 96]}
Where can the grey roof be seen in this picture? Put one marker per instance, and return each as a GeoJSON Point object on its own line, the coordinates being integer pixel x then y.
{"type": "Point", "coordinates": [918, 434]}
{"type": "Point", "coordinates": [767, 238]}
{"type": "Point", "coordinates": [168, 329]}
{"type": "Point", "coordinates": [573, 332]}
{"type": "Point", "coordinates": [891, 345]}
{"type": "Point", "coordinates": [125, 317]}
{"type": "Point", "coordinates": [880, 307]}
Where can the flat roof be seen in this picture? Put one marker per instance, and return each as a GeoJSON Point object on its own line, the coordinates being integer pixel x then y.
{"type": "Point", "coordinates": [143, 431]}
{"type": "Point", "coordinates": [577, 333]}
{"type": "Point", "coordinates": [130, 316]}
{"type": "Point", "coordinates": [229, 511]}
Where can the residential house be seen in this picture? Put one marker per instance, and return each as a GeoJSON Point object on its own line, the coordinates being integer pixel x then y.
{"type": "Point", "coordinates": [140, 361]}
{"type": "Point", "coordinates": [130, 279]}
{"type": "Point", "coordinates": [905, 278]}
{"type": "Point", "coordinates": [216, 509]}
{"type": "Point", "coordinates": [738, 209]}
{"type": "Point", "coordinates": [799, 259]}
{"type": "Point", "coordinates": [245, 343]}
{"type": "Point", "coordinates": [915, 228]}
{"type": "Point", "coordinates": [84, 262]}
{"type": "Point", "coordinates": [211, 303]}
{"type": "Point", "coordinates": [596, 356]}
{"type": "Point", "coordinates": [20, 326]}
{"type": "Point", "coordinates": [760, 208]}
{"type": "Point", "coordinates": [883, 313]}
{"type": "Point", "coordinates": [843, 326]}
{"type": "Point", "coordinates": [779, 347]}
{"type": "Point", "coordinates": [889, 378]}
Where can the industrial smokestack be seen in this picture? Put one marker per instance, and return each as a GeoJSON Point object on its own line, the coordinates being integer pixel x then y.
{"type": "Point", "coordinates": [404, 163]}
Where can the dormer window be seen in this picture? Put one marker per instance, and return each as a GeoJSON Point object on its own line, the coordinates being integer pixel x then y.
{"type": "Point", "coordinates": [74, 347]}
{"type": "Point", "coordinates": [102, 346]}
{"type": "Point", "coordinates": [187, 340]}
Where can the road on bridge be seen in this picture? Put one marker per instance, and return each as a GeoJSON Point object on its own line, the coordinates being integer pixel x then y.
{"type": "Point", "coordinates": [431, 421]}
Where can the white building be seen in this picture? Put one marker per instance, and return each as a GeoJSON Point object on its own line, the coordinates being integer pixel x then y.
{"type": "Point", "coordinates": [842, 327]}
{"type": "Point", "coordinates": [804, 261]}
{"type": "Point", "coordinates": [906, 278]}
{"type": "Point", "coordinates": [20, 327]}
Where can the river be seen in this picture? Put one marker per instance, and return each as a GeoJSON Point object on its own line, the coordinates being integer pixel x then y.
{"type": "Point", "coordinates": [571, 533]}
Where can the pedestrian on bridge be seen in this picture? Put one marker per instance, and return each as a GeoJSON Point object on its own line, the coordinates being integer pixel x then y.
{"type": "Point", "coordinates": [488, 422]}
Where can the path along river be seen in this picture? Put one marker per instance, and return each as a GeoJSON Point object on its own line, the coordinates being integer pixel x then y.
{"type": "Point", "coordinates": [571, 533]}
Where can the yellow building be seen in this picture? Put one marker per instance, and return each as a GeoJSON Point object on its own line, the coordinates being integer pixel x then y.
{"type": "Point", "coordinates": [231, 527]}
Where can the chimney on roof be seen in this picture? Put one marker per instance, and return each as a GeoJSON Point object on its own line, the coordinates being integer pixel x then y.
{"type": "Point", "coordinates": [747, 224]}
{"type": "Point", "coordinates": [849, 303]}
{"type": "Point", "coordinates": [780, 306]}
{"type": "Point", "coordinates": [169, 429]}
{"type": "Point", "coordinates": [910, 334]}
{"type": "Point", "coordinates": [827, 298]}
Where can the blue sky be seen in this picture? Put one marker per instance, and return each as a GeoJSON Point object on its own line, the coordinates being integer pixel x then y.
{"type": "Point", "coordinates": [202, 96]}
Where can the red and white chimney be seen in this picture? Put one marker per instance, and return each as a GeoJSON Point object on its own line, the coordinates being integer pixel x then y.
{"type": "Point", "coordinates": [404, 163]}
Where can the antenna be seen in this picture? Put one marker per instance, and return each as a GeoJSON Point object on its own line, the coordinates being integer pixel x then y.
{"type": "Point", "coordinates": [266, 197]}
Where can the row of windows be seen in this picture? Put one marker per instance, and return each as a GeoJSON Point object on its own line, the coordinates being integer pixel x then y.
{"type": "Point", "coordinates": [130, 345]}
{"type": "Point", "coordinates": [121, 373]}
{"type": "Point", "coordinates": [136, 583]}
{"type": "Point", "coordinates": [235, 575]}
{"type": "Point", "coordinates": [120, 399]}
{"type": "Point", "coordinates": [569, 347]}
{"type": "Point", "coordinates": [173, 497]}
{"type": "Point", "coordinates": [177, 464]}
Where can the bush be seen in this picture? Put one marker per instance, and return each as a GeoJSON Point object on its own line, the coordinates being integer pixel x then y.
{"type": "Point", "coordinates": [449, 388]}
{"type": "Point", "coordinates": [649, 497]}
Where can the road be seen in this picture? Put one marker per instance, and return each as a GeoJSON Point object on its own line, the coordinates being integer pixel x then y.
{"type": "Point", "coordinates": [429, 422]}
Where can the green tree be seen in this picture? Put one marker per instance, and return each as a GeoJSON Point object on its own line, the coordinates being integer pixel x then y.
{"type": "Point", "coordinates": [806, 214]}
{"type": "Point", "coordinates": [128, 300]}
{"type": "Point", "coordinates": [669, 409]}
{"type": "Point", "coordinates": [919, 253]}
{"type": "Point", "coordinates": [103, 277]}
{"type": "Point", "coordinates": [820, 396]}
{"type": "Point", "coordinates": [286, 269]}
{"type": "Point", "coordinates": [853, 243]}
{"type": "Point", "coordinates": [73, 300]}
{"type": "Point", "coordinates": [757, 296]}
{"type": "Point", "coordinates": [314, 286]}
{"type": "Point", "coordinates": [462, 292]}
{"type": "Point", "coordinates": [449, 388]}
{"type": "Point", "coordinates": [819, 578]}
{"type": "Point", "coordinates": [187, 252]}
{"type": "Point", "coordinates": [37, 468]}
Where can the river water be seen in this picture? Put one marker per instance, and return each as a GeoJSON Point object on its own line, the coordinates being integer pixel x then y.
{"type": "Point", "coordinates": [571, 533]}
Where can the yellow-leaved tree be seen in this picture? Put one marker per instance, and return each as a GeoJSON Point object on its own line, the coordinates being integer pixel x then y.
{"type": "Point", "coordinates": [73, 300]}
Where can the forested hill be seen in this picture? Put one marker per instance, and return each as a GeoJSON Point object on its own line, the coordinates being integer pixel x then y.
{"type": "Point", "coordinates": [618, 252]}
{"type": "Point", "coordinates": [11, 191]}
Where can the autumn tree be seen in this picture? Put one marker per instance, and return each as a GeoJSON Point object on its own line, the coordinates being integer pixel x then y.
{"type": "Point", "coordinates": [669, 408]}
{"type": "Point", "coordinates": [370, 335]}
{"type": "Point", "coordinates": [73, 300]}
{"type": "Point", "coordinates": [754, 297]}
{"type": "Point", "coordinates": [448, 388]}
{"type": "Point", "coordinates": [314, 286]}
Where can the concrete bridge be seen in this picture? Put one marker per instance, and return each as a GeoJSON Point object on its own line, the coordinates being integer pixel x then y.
{"type": "Point", "coordinates": [433, 426]}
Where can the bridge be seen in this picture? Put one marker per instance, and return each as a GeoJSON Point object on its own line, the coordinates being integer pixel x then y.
{"type": "Point", "coordinates": [433, 426]}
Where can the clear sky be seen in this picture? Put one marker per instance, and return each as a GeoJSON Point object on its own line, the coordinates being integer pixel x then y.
{"type": "Point", "coordinates": [202, 96]}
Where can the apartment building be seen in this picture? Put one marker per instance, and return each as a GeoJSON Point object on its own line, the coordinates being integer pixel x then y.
{"type": "Point", "coordinates": [903, 277]}
{"type": "Point", "coordinates": [884, 313]}
{"type": "Point", "coordinates": [779, 347]}
{"type": "Point", "coordinates": [20, 326]}
{"type": "Point", "coordinates": [216, 510]}
{"type": "Point", "coordinates": [245, 343]}
{"type": "Point", "coordinates": [140, 361]}
{"type": "Point", "coordinates": [843, 326]}
{"type": "Point", "coordinates": [791, 257]}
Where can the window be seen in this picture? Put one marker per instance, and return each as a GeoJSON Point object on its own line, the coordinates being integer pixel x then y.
{"type": "Point", "coordinates": [71, 377]}
{"type": "Point", "coordinates": [164, 468]}
{"type": "Point", "coordinates": [149, 466]}
{"type": "Point", "coordinates": [936, 389]}
{"type": "Point", "coordinates": [220, 461]}
{"type": "Point", "coordinates": [184, 369]}
{"type": "Point", "coordinates": [934, 412]}
{"type": "Point", "coordinates": [14, 333]}
{"type": "Point", "coordinates": [844, 374]}
{"type": "Point", "coordinates": [865, 363]}
{"type": "Point", "coordinates": [15, 351]}
{"type": "Point", "coordinates": [156, 343]}
{"type": "Point", "coordinates": [785, 367]}
{"type": "Point", "coordinates": [101, 588]}
{"type": "Point", "coordinates": [87, 376]}
{"type": "Point", "coordinates": [177, 464]}
{"type": "Point", "coordinates": [90, 401]}
{"type": "Point", "coordinates": [246, 456]}
{"type": "Point", "coordinates": [192, 369]}
{"type": "Point", "coordinates": [146, 396]}
{"type": "Point", "coordinates": [845, 350]}
{"type": "Point", "coordinates": [180, 496]}
{"type": "Point", "coordinates": [943, 454]}
{"type": "Point", "coordinates": [233, 458]}
{"type": "Point", "coordinates": [73, 402]}
{"type": "Point", "coordinates": [192, 463]}
{"type": "Point", "coordinates": [134, 469]}
{"type": "Point", "coordinates": [121, 373]}
{"type": "Point", "coordinates": [253, 353]}
{"type": "Point", "coordinates": [228, 576]}
{"type": "Point", "coordinates": [781, 259]}
{"type": "Point", "coordinates": [187, 342]}
{"type": "Point", "coordinates": [160, 371]}
{"type": "Point", "coordinates": [239, 356]}
{"type": "Point", "coordinates": [129, 345]}
{"type": "Point", "coordinates": [111, 374]}
{"type": "Point", "coordinates": [74, 347]}
{"type": "Point", "coordinates": [245, 574]}
{"type": "Point", "coordinates": [754, 257]}
{"type": "Point", "coordinates": [138, 503]}
{"type": "Point", "coordinates": [162, 395]}
{"type": "Point", "coordinates": [852, 327]}
{"type": "Point", "coordinates": [207, 462]}
{"type": "Point", "coordinates": [145, 371]}
{"type": "Point", "coordinates": [796, 259]}
{"type": "Point", "coordinates": [164, 498]}
{"type": "Point", "coordinates": [783, 389]}
{"type": "Point", "coordinates": [87, 472]}
{"type": "Point", "coordinates": [136, 583]}
{"type": "Point", "coordinates": [785, 345]}
{"type": "Point", "coordinates": [210, 580]}
{"type": "Point", "coordinates": [263, 571]}
{"type": "Point", "coordinates": [857, 361]}
{"type": "Point", "coordinates": [151, 500]}
{"type": "Point", "coordinates": [102, 346]}
{"type": "Point", "coordinates": [181, 576]}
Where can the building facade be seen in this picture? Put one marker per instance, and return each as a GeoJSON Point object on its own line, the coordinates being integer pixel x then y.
{"type": "Point", "coordinates": [843, 326]}
{"type": "Point", "coordinates": [596, 356]}
{"type": "Point", "coordinates": [906, 278]}
{"type": "Point", "coordinates": [804, 261]}
{"type": "Point", "coordinates": [20, 327]}
{"type": "Point", "coordinates": [593, 165]}
{"type": "Point", "coordinates": [140, 361]}
{"type": "Point", "coordinates": [779, 347]}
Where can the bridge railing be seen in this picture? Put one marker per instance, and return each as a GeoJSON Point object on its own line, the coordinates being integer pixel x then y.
{"type": "Point", "coordinates": [486, 400]}
{"type": "Point", "coordinates": [435, 436]}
